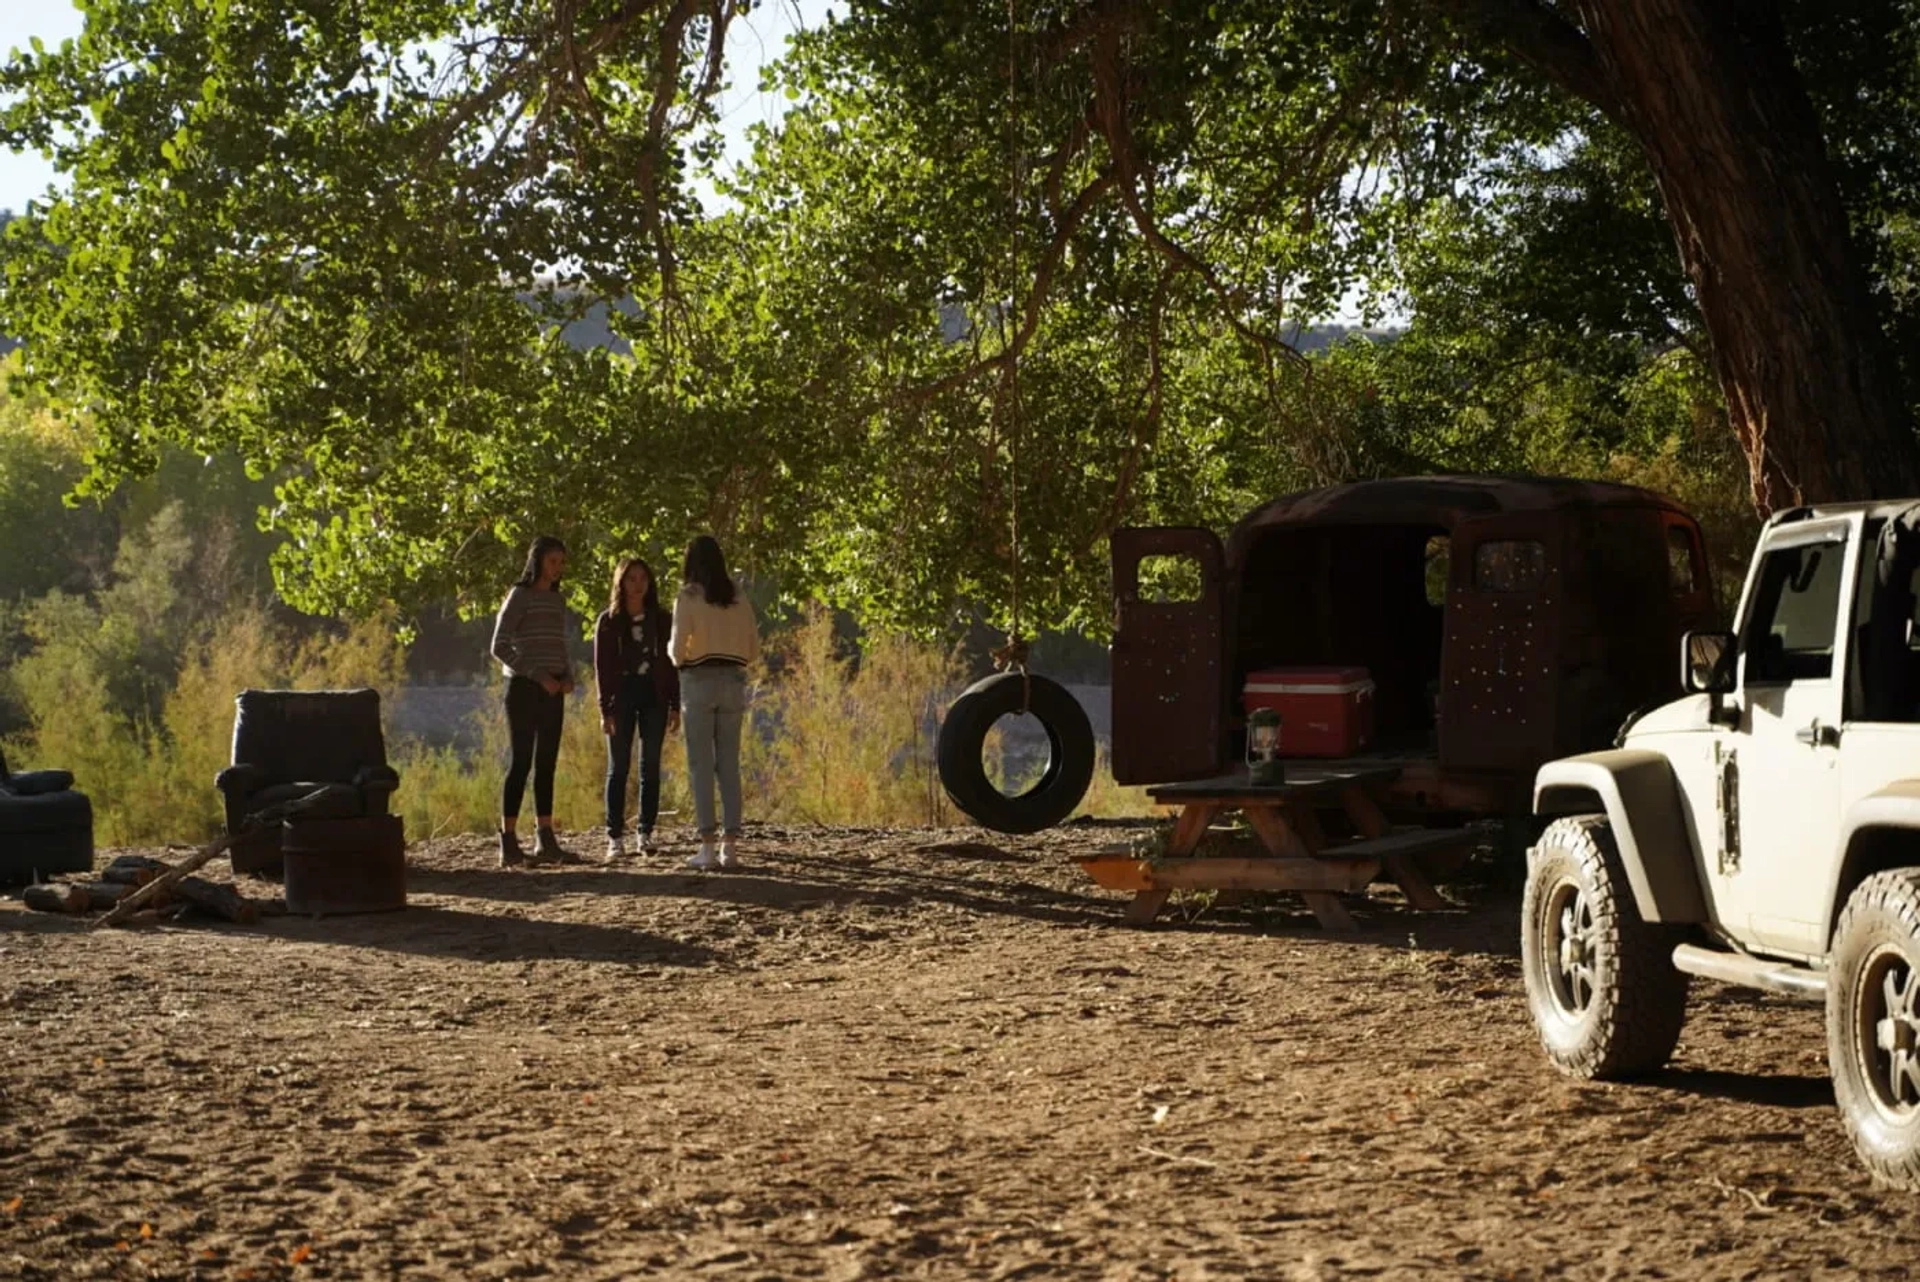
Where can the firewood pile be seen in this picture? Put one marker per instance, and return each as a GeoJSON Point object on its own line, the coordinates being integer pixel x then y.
{"type": "Point", "coordinates": [137, 890]}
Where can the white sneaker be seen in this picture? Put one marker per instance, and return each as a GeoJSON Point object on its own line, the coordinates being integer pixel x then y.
{"type": "Point", "coordinates": [726, 853]}
{"type": "Point", "coordinates": [616, 848]}
{"type": "Point", "coordinates": [704, 860]}
{"type": "Point", "coordinates": [644, 844]}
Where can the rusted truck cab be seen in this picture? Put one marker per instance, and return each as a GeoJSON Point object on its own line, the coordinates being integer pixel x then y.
{"type": "Point", "coordinates": [1504, 621]}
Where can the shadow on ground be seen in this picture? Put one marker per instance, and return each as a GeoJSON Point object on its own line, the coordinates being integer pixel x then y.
{"type": "Point", "coordinates": [1776, 1090]}
{"type": "Point", "coordinates": [435, 931]}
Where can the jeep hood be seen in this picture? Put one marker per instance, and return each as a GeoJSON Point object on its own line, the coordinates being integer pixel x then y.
{"type": "Point", "coordinates": [1682, 715]}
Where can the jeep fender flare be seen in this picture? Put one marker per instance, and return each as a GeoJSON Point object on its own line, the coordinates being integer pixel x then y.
{"type": "Point", "coordinates": [1892, 813]}
{"type": "Point", "coordinates": [1637, 792]}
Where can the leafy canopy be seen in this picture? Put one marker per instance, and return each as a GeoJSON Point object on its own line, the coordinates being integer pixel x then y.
{"type": "Point", "coordinates": [1047, 279]}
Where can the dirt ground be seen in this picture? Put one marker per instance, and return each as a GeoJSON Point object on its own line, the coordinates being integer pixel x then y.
{"type": "Point", "coordinates": [867, 1054]}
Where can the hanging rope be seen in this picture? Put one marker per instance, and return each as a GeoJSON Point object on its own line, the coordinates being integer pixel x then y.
{"type": "Point", "coordinates": [1013, 655]}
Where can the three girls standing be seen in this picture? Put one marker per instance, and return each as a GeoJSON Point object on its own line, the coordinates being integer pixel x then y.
{"type": "Point", "coordinates": [649, 669]}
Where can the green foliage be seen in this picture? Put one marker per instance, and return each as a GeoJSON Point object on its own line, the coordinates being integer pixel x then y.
{"type": "Point", "coordinates": [42, 459]}
{"type": "Point", "coordinates": [980, 280]}
{"type": "Point", "coordinates": [147, 760]}
{"type": "Point", "coordinates": [851, 733]}
{"type": "Point", "coordinates": [840, 738]}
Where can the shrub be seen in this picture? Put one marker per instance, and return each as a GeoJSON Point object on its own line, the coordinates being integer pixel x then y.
{"type": "Point", "coordinates": [838, 733]}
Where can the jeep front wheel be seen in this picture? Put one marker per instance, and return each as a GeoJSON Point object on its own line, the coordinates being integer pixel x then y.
{"type": "Point", "coordinates": [1601, 983]}
{"type": "Point", "coordinates": [1873, 1024]}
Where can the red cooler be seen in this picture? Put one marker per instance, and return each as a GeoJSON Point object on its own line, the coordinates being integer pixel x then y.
{"type": "Point", "coordinates": [1324, 711]}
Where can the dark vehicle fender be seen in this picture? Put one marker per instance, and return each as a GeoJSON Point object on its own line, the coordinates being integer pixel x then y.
{"type": "Point", "coordinates": [1636, 790]}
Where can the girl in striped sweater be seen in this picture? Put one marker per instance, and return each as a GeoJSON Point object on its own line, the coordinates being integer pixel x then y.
{"type": "Point", "coordinates": [530, 641]}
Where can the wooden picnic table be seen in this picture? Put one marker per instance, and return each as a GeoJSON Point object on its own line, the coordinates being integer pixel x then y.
{"type": "Point", "coordinates": [1298, 856]}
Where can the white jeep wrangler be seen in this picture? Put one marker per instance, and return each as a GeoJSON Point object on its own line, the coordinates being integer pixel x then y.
{"type": "Point", "coordinates": [1763, 830]}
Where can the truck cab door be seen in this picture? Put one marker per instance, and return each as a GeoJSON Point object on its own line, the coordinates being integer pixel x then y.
{"type": "Point", "coordinates": [1169, 657]}
{"type": "Point", "coordinates": [1501, 654]}
{"type": "Point", "coordinates": [1794, 641]}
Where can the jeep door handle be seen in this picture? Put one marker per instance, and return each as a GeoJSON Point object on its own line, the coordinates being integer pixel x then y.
{"type": "Point", "coordinates": [1816, 735]}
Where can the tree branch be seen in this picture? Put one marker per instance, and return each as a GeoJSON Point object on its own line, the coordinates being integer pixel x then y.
{"type": "Point", "coordinates": [1146, 427]}
{"type": "Point", "coordinates": [1110, 99]}
{"type": "Point", "coordinates": [1070, 220]}
{"type": "Point", "coordinates": [1545, 41]}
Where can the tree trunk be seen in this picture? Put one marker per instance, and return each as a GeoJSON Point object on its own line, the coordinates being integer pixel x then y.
{"type": "Point", "coordinates": [1709, 90]}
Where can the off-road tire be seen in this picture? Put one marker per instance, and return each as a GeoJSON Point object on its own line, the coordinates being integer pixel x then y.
{"type": "Point", "coordinates": [1601, 984]}
{"type": "Point", "coordinates": [1873, 986]}
{"type": "Point", "coordinates": [1070, 753]}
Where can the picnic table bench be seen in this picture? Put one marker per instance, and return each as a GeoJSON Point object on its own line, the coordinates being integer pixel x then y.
{"type": "Point", "coordinates": [1298, 857]}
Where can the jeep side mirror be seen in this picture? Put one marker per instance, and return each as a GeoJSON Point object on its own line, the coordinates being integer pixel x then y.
{"type": "Point", "coordinates": [1706, 662]}
{"type": "Point", "coordinates": [1707, 666]}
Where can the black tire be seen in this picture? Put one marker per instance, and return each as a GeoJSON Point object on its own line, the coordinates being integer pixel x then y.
{"type": "Point", "coordinates": [1873, 982]}
{"type": "Point", "coordinates": [1070, 754]}
{"type": "Point", "coordinates": [1601, 984]}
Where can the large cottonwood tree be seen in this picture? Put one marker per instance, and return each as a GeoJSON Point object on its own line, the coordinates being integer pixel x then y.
{"type": "Point", "coordinates": [1710, 92]}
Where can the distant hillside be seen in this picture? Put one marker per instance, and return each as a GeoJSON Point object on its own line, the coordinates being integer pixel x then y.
{"type": "Point", "coordinates": [595, 329]}
{"type": "Point", "coordinates": [1317, 338]}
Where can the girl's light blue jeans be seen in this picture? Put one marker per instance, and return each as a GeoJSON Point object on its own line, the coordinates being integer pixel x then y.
{"type": "Point", "coordinates": [713, 706]}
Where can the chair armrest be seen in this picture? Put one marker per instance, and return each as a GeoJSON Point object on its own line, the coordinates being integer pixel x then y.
{"type": "Point", "coordinates": [37, 783]}
{"type": "Point", "coordinates": [381, 776]}
{"type": "Point", "coordinates": [240, 779]}
{"type": "Point", "coordinates": [377, 784]}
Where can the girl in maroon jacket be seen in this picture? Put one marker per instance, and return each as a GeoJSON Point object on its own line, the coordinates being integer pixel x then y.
{"type": "Point", "coordinates": [639, 692]}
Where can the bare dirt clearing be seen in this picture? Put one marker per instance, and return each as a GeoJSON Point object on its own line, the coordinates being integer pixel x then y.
{"type": "Point", "coordinates": [878, 1053]}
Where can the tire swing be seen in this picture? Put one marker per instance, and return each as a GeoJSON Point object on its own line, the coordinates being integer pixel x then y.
{"type": "Point", "coordinates": [1012, 689]}
{"type": "Point", "coordinates": [1070, 751]}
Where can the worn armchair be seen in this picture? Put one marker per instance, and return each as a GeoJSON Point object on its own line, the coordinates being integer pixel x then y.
{"type": "Point", "coordinates": [45, 826]}
{"type": "Point", "coordinates": [295, 743]}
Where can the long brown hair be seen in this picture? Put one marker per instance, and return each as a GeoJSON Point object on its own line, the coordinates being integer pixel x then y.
{"type": "Point", "coordinates": [617, 601]}
{"type": "Point", "coordinates": [535, 555]}
{"type": "Point", "coordinates": [707, 567]}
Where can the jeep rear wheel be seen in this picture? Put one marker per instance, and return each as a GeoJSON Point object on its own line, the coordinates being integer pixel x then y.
{"type": "Point", "coordinates": [1873, 1024]}
{"type": "Point", "coordinates": [1601, 984]}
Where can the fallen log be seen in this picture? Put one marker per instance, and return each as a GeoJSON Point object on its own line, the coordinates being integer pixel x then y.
{"type": "Point", "coordinates": [219, 899]}
{"type": "Point", "coordinates": [102, 895]}
{"type": "Point", "coordinates": [55, 897]}
{"type": "Point", "coordinates": [165, 882]}
{"type": "Point", "coordinates": [134, 870]}
{"type": "Point", "coordinates": [145, 896]}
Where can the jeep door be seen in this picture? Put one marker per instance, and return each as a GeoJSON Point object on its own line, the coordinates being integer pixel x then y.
{"type": "Point", "coordinates": [1784, 753]}
{"type": "Point", "coordinates": [1169, 682]}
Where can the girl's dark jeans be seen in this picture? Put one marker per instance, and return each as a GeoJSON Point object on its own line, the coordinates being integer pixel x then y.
{"type": "Point", "coordinates": [636, 711]}
{"type": "Point", "coordinates": [534, 718]}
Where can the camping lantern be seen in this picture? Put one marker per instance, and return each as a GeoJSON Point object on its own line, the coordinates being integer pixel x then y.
{"type": "Point", "coordinates": [1263, 746]}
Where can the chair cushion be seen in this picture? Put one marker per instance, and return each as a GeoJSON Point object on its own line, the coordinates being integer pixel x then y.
{"type": "Point", "coordinates": [35, 783]}
{"type": "Point", "coordinates": [324, 735]}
